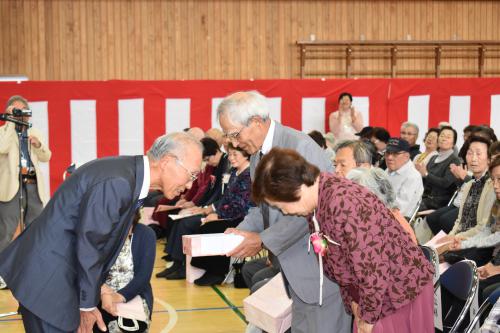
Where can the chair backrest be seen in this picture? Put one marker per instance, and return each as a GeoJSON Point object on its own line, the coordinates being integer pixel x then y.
{"type": "Point", "coordinates": [489, 302]}
{"type": "Point", "coordinates": [433, 258]}
{"type": "Point", "coordinates": [453, 196]}
{"type": "Point", "coordinates": [413, 215]}
{"type": "Point", "coordinates": [461, 281]}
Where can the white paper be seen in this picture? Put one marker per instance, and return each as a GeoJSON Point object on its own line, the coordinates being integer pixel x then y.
{"type": "Point", "coordinates": [434, 241]}
{"type": "Point", "coordinates": [219, 243]}
{"type": "Point", "coordinates": [443, 267]}
{"type": "Point", "coordinates": [179, 216]}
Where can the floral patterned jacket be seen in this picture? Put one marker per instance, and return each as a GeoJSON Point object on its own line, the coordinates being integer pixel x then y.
{"type": "Point", "coordinates": [377, 265]}
{"type": "Point", "coordinates": [235, 201]}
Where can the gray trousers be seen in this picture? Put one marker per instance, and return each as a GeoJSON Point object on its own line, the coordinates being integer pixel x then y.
{"type": "Point", "coordinates": [34, 324]}
{"type": "Point", "coordinates": [9, 213]}
{"type": "Point", "coordinates": [330, 317]}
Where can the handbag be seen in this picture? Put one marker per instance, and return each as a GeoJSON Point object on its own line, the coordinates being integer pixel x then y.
{"type": "Point", "coordinates": [239, 282]}
{"type": "Point", "coordinates": [131, 325]}
{"type": "Point", "coordinates": [131, 316]}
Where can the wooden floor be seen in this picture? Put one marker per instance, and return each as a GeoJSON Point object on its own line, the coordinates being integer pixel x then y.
{"type": "Point", "coordinates": [179, 307]}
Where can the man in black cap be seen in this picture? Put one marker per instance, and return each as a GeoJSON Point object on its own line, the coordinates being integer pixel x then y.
{"type": "Point", "coordinates": [403, 176]}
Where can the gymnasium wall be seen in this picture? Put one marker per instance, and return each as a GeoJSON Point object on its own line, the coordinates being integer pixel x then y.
{"type": "Point", "coordinates": [188, 39]}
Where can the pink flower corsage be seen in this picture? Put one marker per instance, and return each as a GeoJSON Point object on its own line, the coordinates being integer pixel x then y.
{"type": "Point", "coordinates": [319, 243]}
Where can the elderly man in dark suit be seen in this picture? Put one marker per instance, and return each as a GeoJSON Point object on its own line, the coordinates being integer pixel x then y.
{"type": "Point", "coordinates": [55, 268]}
{"type": "Point", "coordinates": [244, 117]}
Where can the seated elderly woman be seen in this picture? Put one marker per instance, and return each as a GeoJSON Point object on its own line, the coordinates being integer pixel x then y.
{"type": "Point", "coordinates": [439, 181]}
{"type": "Point", "coordinates": [479, 246]}
{"type": "Point", "coordinates": [475, 208]}
{"type": "Point", "coordinates": [431, 145]}
{"type": "Point", "coordinates": [216, 267]}
{"type": "Point", "coordinates": [129, 279]}
{"type": "Point", "coordinates": [231, 208]}
{"type": "Point", "coordinates": [384, 278]}
{"type": "Point", "coordinates": [487, 238]}
{"type": "Point", "coordinates": [377, 181]}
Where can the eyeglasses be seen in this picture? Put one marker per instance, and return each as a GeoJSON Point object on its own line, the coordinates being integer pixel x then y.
{"type": "Point", "coordinates": [408, 133]}
{"type": "Point", "coordinates": [192, 176]}
{"type": "Point", "coordinates": [234, 135]}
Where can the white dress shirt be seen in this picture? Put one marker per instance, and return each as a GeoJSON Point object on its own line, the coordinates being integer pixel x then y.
{"type": "Point", "coordinates": [408, 187]}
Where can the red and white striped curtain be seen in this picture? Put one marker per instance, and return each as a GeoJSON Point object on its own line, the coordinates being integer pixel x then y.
{"type": "Point", "coordinates": [83, 120]}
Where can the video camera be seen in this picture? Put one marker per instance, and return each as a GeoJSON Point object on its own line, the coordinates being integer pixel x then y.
{"type": "Point", "coordinates": [21, 113]}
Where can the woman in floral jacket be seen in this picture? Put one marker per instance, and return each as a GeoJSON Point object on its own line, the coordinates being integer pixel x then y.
{"type": "Point", "coordinates": [384, 278]}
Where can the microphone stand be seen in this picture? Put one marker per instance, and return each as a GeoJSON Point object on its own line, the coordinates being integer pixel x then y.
{"type": "Point", "coordinates": [21, 124]}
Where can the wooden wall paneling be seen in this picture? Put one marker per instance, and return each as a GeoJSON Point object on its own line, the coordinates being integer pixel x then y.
{"type": "Point", "coordinates": [160, 62]}
{"type": "Point", "coordinates": [5, 35]}
{"type": "Point", "coordinates": [27, 46]}
{"type": "Point", "coordinates": [144, 44]}
{"type": "Point", "coordinates": [294, 54]}
{"type": "Point", "coordinates": [220, 39]}
{"type": "Point", "coordinates": [162, 49]}
{"type": "Point", "coordinates": [271, 39]}
{"type": "Point", "coordinates": [264, 16]}
{"type": "Point", "coordinates": [227, 44]}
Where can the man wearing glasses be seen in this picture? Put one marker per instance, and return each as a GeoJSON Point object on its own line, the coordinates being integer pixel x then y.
{"type": "Point", "coordinates": [409, 132]}
{"type": "Point", "coordinates": [403, 176]}
{"type": "Point", "coordinates": [244, 118]}
{"type": "Point", "coordinates": [55, 268]}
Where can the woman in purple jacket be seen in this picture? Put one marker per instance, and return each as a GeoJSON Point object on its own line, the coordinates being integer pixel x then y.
{"type": "Point", "coordinates": [384, 278]}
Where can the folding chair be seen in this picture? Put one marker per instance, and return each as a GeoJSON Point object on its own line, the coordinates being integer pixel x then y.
{"type": "Point", "coordinates": [461, 281]}
{"type": "Point", "coordinates": [454, 196]}
{"type": "Point", "coordinates": [413, 215]}
{"type": "Point", "coordinates": [433, 257]}
{"type": "Point", "coordinates": [488, 303]}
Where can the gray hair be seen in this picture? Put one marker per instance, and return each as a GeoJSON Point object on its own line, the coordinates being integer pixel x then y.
{"type": "Point", "coordinates": [377, 181]}
{"type": "Point", "coordinates": [173, 143]}
{"type": "Point", "coordinates": [407, 124]}
{"type": "Point", "coordinates": [242, 106]}
{"type": "Point", "coordinates": [360, 150]}
{"type": "Point", "coordinates": [17, 98]}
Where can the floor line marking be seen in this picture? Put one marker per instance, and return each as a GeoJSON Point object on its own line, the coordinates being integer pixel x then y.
{"type": "Point", "coordinates": [228, 302]}
{"type": "Point", "coordinates": [172, 315]}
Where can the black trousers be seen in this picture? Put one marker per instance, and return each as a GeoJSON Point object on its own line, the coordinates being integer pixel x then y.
{"type": "Point", "coordinates": [215, 265]}
{"type": "Point", "coordinates": [487, 286]}
{"type": "Point", "coordinates": [186, 226]}
{"type": "Point", "coordinates": [481, 256]}
{"type": "Point", "coordinates": [442, 219]}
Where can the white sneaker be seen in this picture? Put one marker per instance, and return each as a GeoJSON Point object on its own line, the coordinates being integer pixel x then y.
{"type": "Point", "coordinates": [3, 285]}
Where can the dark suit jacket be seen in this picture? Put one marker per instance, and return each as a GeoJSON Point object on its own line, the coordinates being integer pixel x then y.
{"type": "Point", "coordinates": [57, 264]}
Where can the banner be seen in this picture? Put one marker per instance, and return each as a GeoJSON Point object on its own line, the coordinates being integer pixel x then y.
{"type": "Point", "coordinates": [83, 120]}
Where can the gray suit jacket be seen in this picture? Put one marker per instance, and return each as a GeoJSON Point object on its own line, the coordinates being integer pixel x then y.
{"type": "Point", "coordinates": [288, 236]}
{"type": "Point", "coordinates": [57, 265]}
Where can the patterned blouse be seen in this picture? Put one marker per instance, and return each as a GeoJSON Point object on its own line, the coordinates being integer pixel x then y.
{"type": "Point", "coordinates": [376, 264]}
{"type": "Point", "coordinates": [235, 201]}
{"type": "Point", "coordinates": [120, 274]}
{"type": "Point", "coordinates": [469, 215]}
